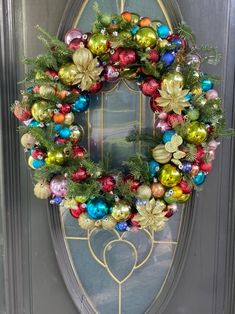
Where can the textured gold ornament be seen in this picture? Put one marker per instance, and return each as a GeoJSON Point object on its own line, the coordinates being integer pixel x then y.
{"type": "Point", "coordinates": [174, 76]}
{"type": "Point", "coordinates": [151, 215]}
{"type": "Point", "coordinates": [46, 90]}
{"type": "Point", "coordinates": [85, 222]}
{"type": "Point", "coordinates": [42, 111]}
{"type": "Point", "coordinates": [160, 154]}
{"type": "Point", "coordinates": [196, 132]}
{"type": "Point", "coordinates": [70, 203]}
{"type": "Point", "coordinates": [144, 192]}
{"type": "Point", "coordinates": [146, 37]}
{"type": "Point", "coordinates": [172, 96]}
{"type": "Point", "coordinates": [69, 118]}
{"type": "Point", "coordinates": [42, 190]}
{"type": "Point", "coordinates": [169, 175]}
{"type": "Point", "coordinates": [121, 211]}
{"type": "Point", "coordinates": [98, 44]}
{"type": "Point", "coordinates": [68, 73]}
{"type": "Point", "coordinates": [108, 223]}
{"type": "Point", "coordinates": [28, 141]}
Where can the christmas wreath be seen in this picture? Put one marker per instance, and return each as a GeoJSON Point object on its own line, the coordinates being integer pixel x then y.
{"type": "Point", "coordinates": [188, 113]}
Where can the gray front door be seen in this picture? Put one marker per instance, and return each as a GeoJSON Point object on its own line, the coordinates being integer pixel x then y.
{"type": "Point", "coordinates": [202, 280]}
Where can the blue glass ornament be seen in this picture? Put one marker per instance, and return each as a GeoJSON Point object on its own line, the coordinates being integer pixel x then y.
{"type": "Point", "coordinates": [34, 124]}
{"type": "Point", "coordinates": [188, 97]}
{"type": "Point", "coordinates": [163, 31]}
{"type": "Point", "coordinates": [186, 166]}
{"type": "Point", "coordinates": [57, 200]}
{"type": "Point", "coordinates": [81, 104]}
{"type": "Point", "coordinates": [30, 90]}
{"type": "Point", "coordinates": [134, 29]}
{"type": "Point", "coordinates": [199, 178]}
{"type": "Point", "coordinates": [168, 58]}
{"type": "Point", "coordinates": [65, 132]}
{"type": "Point", "coordinates": [177, 42]}
{"type": "Point", "coordinates": [206, 85]}
{"type": "Point", "coordinates": [167, 136]}
{"type": "Point", "coordinates": [38, 163]}
{"type": "Point", "coordinates": [121, 226]}
{"type": "Point", "coordinates": [58, 127]}
{"type": "Point", "coordinates": [97, 208]}
{"type": "Point", "coordinates": [154, 167]}
{"type": "Point", "coordinates": [140, 202]}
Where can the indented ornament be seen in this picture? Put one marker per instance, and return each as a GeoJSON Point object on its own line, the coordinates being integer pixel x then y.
{"type": "Point", "coordinates": [160, 154]}
{"type": "Point", "coordinates": [42, 190]}
{"type": "Point", "coordinates": [169, 175]}
{"type": "Point", "coordinates": [121, 211]}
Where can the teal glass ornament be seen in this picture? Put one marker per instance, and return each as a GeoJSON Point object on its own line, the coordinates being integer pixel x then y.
{"type": "Point", "coordinates": [97, 208]}
{"type": "Point", "coordinates": [154, 167]}
{"type": "Point", "coordinates": [65, 132]}
{"type": "Point", "coordinates": [206, 85]}
{"type": "Point", "coordinates": [30, 90]}
{"type": "Point", "coordinates": [38, 163]}
{"type": "Point", "coordinates": [188, 97]}
{"type": "Point", "coordinates": [34, 124]}
{"type": "Point", "coordinates": [81, 104]}
{"type": "Point", "coordinates": [134, 29]}
{"type": "Point", "coordinates": [200, 178]}
{"type": "Point", "coordinates": [163, 31]}
{"type": "Point", "coordinates": [58, 127]}
{"type": "Point", "coordinates": [167, 136]}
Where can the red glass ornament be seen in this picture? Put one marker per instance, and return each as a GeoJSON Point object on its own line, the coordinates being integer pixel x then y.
{"type": "Point", "coordinates": [78, 210]}
{"type": "Point", "coordinates": [38, 153]}
{"type": "Point", "coordinates": [185, 186]}
{"type": "Point", "coordinates": [76, 44]}
{"type": "Point", "coordinates": [153, 55]}
{"type": "Point", "coordinates": [206, 166]}
{"type": "Point", "coordinates": [200, 154]}
{"type": "Point", "coordinates": [52, 73]}
{"type": "Point", "coordinates": [65, 108]}
{"type": "Point", "coordinates": [108, 183]}
{"type": "Point", "coordinates": [174, 118]}
{"type": "Point", "coordinates": [126, 57]}
{"type": "Point", "coordinates": [96, 87]}
{"type": "Point", "coordinates": [22, 113]}
{"type": "Point", "coordinates": [78, 151]}
{"type": "Point", "coordinates": [150, 86]}
{"type": "Point", "coordinates": [135, 222]}
{"type": "Point", "coordinates": [114, 55]}
{"type": "Point", "coordinates": [134, 184]}
{"type": "Point", "coordinates": [79, 175]}
{"type": "Point", "coordinates": [60, 140]}
{"type": "Point", "coordinates": [169, 213]}
{"type": "Point", "coordinates": [76, 91]}
{"type": "Point", "coordinates": [154, 105]}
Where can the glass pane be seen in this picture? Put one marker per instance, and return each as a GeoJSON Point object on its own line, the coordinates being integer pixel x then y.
{"type": "Point", "coordinates": [108, 264]}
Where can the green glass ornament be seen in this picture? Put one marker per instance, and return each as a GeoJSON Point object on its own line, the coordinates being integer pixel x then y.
{"type": "Point", "coordinates": [146, 37]}
{"type": "Point", "coordinates": [196, 132]}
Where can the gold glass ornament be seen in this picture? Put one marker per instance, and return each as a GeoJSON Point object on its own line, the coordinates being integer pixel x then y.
{"type": "Point", "coordinates": [196, 90]}
{"type": "Point", "coordinates": [85, 222]}
{"type": "Point", "coordinates": [42, 190]}
{"type": "Point", "coordinates": [160, 154]}
{"type": "Point", "coordinates": [69, 118]}
{"type": "Point", "coordinates": [76, 133]}
{"type": "Point", "coordinates": [56, 157]}
{"type": "Point", "coordinates": [196, 132]}
{"type": "Point", "coordinates": [184, 198]}
{"type": "Point", "coordinates": [174, 76]}
{"type": "Point", "coordinates": [68, 74]}
{"type": "Point", "coordinates": [157, 189]}
{"type": "Point", "coordinates": [169, 175]}
{"type": "Point", "coordinates": [98, 44]}
{"type": "Point", "coordinates": [124, 35]}
{"type": "Point", "coordinates": [42, 111]}
{"type": "Point", "coordinates": [176, 192]}
{"type": "Point", "coordinates": [108, 223]}
{"type": "Point", "coordinates": [121, 211]}
{"type": "Point", "coordinates": [144, 192]}
{"type": "Point", "coordinates": [46, 90]}
{"type": "Point", "coordinates": [151, 215]}
{"type": "Point", "coordinates": [162, 43]}
{"type": "Point", "coordinates": [146, 37]}
{"type": "Point", "coordinates": [80, 198]}
{"type": "Point", "coordinates": [28, 141]}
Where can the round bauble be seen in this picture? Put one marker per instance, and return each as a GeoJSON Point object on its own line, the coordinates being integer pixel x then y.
{"type": "Point", "coordinates": [46, 91]}
{"type": "Point", "coordinates": [184, 198]}
{"type": "Point", "coordinates": [42, 111]}
{"type": "Point", "coordinates": [108, 222]}
{"type": "Point", "coordinates": [121, 226]}
{"type": "Point", "coordinates": [81, 104]}
{"type": "Point", "coordinates": [107, 183]}
{"type": "Point", "coordinates": [150, 86]}
{"type": "Point", "coordinates": [169, 175]}
{"type": "Point", "coordinates": [68, 74]}
{"type": "Point", "coordinates": [22, 112]}
{"type": "Point", "coordinates": [85, 222]}
{"type": "Point", "coordinates": [196, 132]}
{"type": "Point", "coordinates": [55, 157]}
{"type": "Point", "coordinates": [97, 208]}
{"type": "Point", "coordinates": [78, 151]}
{"type": "Point", "coordinates": [111, 73]}
{"type": "Point", "coordinates": [200, 178]}
{"type": "Point", "coordinates": [160, 154]}
{"type": "Point", "coordinates": [168, 58]}
{"type": "Point", "coordinates": [42, 190]}
{"type": "Point", "coordinates": [145, 21]}
{"type": "Point", "coordinates": [79, 175]}
{"type": "Point", "coordinates": [144, 192]}
{"type": "Point", "coordinates": [28, 141]}
{"type": "Point", "coordinates": [157, 189]}
{"type": "Point", "coordinates": [98, 44]}
{"type": "Point", "coordinates": [58, 186]}
{"type": "Point", "coordinates": [121, 211]}
{"type": "Point", "coordinates": [77, 210]}
{"type": "Point", "coordinates": [69, 118]}
{"type": "Point", "coordinates": [146, 37]}
{"type": "Point", "coordinates": [154, 168]}
{"type": "Point", "coordinates": [59, 117]}
{"type": "Point", "coordinates": [163, 31]}
{"type": "Point", "coordinates": [127, 57]}
{"type": "Point", "coordinates": [185, 186]}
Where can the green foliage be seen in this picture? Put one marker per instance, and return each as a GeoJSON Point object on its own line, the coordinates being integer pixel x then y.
{"type": "Point", "coordinates": [87, 189]}
{"type": "Point", "coordinates": [138, 167]}
{"type": "Point", "coordinates": [186, 32]}
{"type": "Point", "coordinates": [208, 54]}
{"type": "Point", "coordinates": [46, 172]}
{"type": "Point", "coordinates": [191, 152]}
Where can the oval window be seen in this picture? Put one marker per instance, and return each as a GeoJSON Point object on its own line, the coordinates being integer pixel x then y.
{"type": "Point", "coordinates": [116, 272]}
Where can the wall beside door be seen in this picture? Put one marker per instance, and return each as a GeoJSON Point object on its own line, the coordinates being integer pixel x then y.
{"type": "Point", "coordinates": [34, 284]}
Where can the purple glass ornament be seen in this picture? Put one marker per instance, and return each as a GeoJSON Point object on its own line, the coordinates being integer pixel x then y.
{"type": "Point", "coordinates": [110, 73]}
{"type": "Point", "coordinates": [58, 186]}
{"type": "Point", "coordinates": [71, 35]}
{"type": "Point", "coordinates": [211, 94]}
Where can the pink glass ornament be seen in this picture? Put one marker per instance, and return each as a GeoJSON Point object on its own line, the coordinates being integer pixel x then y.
{"type": "Point", "coordinates": [163, 126]}
{"type": "Point", "coordinates": [162, 115]}
{"type": "Point", "coordinates": [211, 94]}
{"type": "Point", "coordinates": [212, 145]}
{"type": "Point", "coordinates": [71, 35]}
{"type": "Point", "coordinates": [58, 186]}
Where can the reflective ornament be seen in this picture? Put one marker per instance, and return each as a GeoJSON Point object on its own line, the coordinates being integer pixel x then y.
{"type": "Point", "coordinates": [206, 85]}
{"type": "Point", "coordinates": [167, 136]}
{"type": "Point", "coordinates": [65, 132]}
{"type": "Point", "coordinates": [154, 105]}
{"type": "Point", "coordinates": [184, 198]}
{"type": "Point", "coordinates": [135, 18]}
{"type": "Point", "coordinates": [150, 86]}
{"type": "Point", "coordinates": [124, 35]}
{"type": "Point", "coordinates": [78, 151]}
{"type": "Point", "coordinates": [206, 166]}
{"type": "Point", "coordinates": [163, 31]}
{"type": "Point", "coordinates": [42, 190]}
{"type": "Point", "coordinates": [174, 76]}
{"type": "Point", "coordinates": [21, 111]}
{"type": "Point", "coordinates": [85, 222]}
{"type": "Point", "coordinates": [77, 210]}
{"type": "Point", "coordinates": [79, 175]}
{"type": "Point", "coordinates": [193, 59]}
{"type": "Point", "coordinates": [185, 186]}
{"type": "Point", "coordinates": [145, 21]}
{"type": "Point", "coordinates": [108, 183]}
{"type": "Point", "coordinates": [169, 199]}
{"type": "Point", "coordinates": [65, 108]}
{"type": "Point", "coordinates": [55, 157]}
{"type": "Point", "coordinates": [98, 44]}
{"type": "Point", "coordinates": [146, 37]}
{"type": "Point", "coordinates": [58, 185]}
{"type": "Point", "coordinates": [68, 74]}
{"type": "Point", "coordinates": [153, 55]}
{"type": "Point", "coordinates": [96, 87]}
{"type": "Point", "coordinates": [28, 141]}
{"type": "Point", "coordinates": [69, 118]}
{"type": "Point", "coordinates": [211, 94]}
{"type": "Point", "coordinates": [97, 208]}
{"type": "Point", "coordinates": [35, 163]}
{"type": "Point", "coordinates": [195, 170]}
{"type": "Point", "coordinates": [37, 153]}
{"type": "Point", "coordinates": [81, 104]}
{"type": "Point", "coordinates": [42, 111]}
{"type": "Point", "coordinates": [59, 118]}
{"type": "Point", "coordinates": [174, 118]}
{"type": "Point", "coordinates": [170, 210]}
{"type": "Point", "coordinates": [72, 34]}
{"type": "Point", "coordinates": [46, 91]}
{"type": "Point", "coordinates": [157, 189]}
{"type": "Point", "coordinates": [108, 223]}
{"type": "Point", "coordinates": [186, 166]}
{"type": "Point", "coordinates": [121, 211]}
{"type": "Point", "coordinates": [162, 43]}
{"type": "Point", "coordinates": [199, 178]}
{"type": "Point", "coordinates": [196, 90]}
{"type": "Point", "coordinates": [127, 57]}
{"type": "Point", "coordinates": [111, 74]}
{"type": "Point", "coordinates": [169, 175]}
{"type": "Point", "coordinates": [144, 192]}
{"type": "Point", "coordinates": [154, 167]}
{"type": "Point", "coordinates": [196, 132]}
{"type": "Point", "coordinates": [121, 226]}
{"type": "Point", "coordinates": [160, 154]}
{"type": "Point", "coordinates": [175, 192]}
{"type": "Point", "coordinates": [76, 133]}
{"type": "Point", "coordinates": [126, 16]}
{"type": "Point", "coordinates": [168, 58]}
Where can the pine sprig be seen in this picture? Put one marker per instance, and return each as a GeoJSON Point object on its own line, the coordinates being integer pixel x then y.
{"type": "Point", "coordinates": [186, 32]}
{"type": "Point", "coordinates": [87, 189]}
{"type": "Point", "coordinates": [46, 172]}
{"type": "Point", "coordinates": [208, 54]}
{"type": "Point", "coordinates": [138, 167]}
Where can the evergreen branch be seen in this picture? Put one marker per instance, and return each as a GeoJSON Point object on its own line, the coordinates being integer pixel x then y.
{"type": "Point", "coordinates": [185, 31]}
{"type": "Point", "coordinates": [138, 167]}
{"type": "Point", "coordinates": [209, 54]}
{"type": "Point", "coordinates": [86, 189]}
